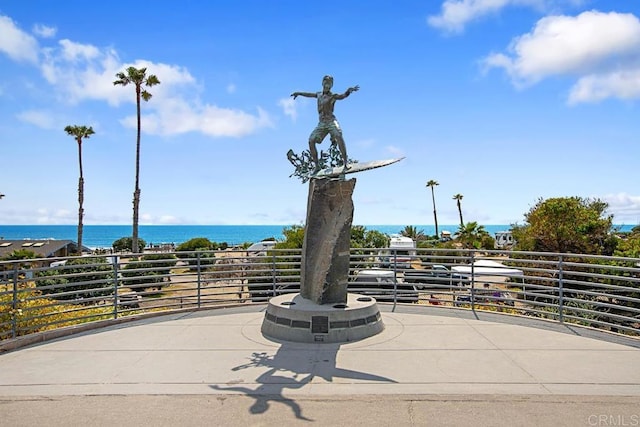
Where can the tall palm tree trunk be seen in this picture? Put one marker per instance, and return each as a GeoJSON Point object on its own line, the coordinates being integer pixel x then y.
{"type": "Point", "coordinates": [136, 192]}
{"type": "Point", "coordinates": [460, 212]}
{"type": "Point", "coordinates": [79, 132]}
{"type": "Point", "coordinates": [138, 77]}
{"type": "Point", "coordinates": [80, 197]}
{"type": "Point", "coordinates": [435, 215]}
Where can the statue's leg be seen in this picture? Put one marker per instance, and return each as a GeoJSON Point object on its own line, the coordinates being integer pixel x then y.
{"type": "Point", "coordinates": [312, 150]}
{"type": "Point", "coordinates": [316, 137]}
{"type": "Point", "coordinates": [336, 136]}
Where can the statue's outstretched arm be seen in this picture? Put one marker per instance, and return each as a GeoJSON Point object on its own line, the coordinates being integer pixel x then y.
{"type": "Point", "coordinates": [307, 94]}
{"type": "Point", "coordinates": [348, 92]}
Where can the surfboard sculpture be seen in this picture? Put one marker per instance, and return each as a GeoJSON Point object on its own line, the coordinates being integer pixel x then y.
{"type": "Point", "coordinates": [340, 171]}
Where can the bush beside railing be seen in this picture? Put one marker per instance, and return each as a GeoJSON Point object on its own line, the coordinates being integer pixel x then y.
{"type": "Point", "coordinates": [595, 291]}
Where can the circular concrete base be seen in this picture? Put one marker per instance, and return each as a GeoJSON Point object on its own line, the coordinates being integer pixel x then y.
{"type": "Point", "coordinates": [291, 317]}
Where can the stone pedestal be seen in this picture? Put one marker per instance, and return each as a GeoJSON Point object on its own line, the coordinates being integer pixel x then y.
{"type": "Point", "coordinates": [291, 317]}
{"type": "Point", "coordinates": [327, 239]}
{"type": "Point", "coordinates": [323, 311]}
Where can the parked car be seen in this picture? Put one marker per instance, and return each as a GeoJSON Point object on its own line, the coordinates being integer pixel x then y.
{"type": "Point", "coordinates": [261, 248]}
{"type": "Point", "coordinates": [382, 284]}
{"type": "Point", "coordinates": [436, 276]}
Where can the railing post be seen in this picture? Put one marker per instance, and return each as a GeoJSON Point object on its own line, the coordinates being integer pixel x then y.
{"type": "Point", "coordinates": [560, 292]}
{"type": "Point", "coordinates": [473, 279]}
{"type": "Point", "coordinates": [198, 264]}
{"type": "Point", "coordinates": [395, 259]}
{"type": "Point", "coordinates": [116, 261]}
{"type": "Point", "coordinates": [14, 303]}
{"type": "Point", "coordinates": [395, 276]}
{"type": "Point", "coordinates": [273, 273]}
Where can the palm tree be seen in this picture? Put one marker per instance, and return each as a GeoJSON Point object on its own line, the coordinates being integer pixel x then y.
{"type": "Point", "coordinates": [471, 234]}
{"type": "Point", "coordinates": [432, 183]}
{"type": "Point", "coordinates": [457, 198]}
{"type": "Point", "coordinates": [412, 232]}
{"type": "Point", "coordinates": [137, 77]}
{"type": "Point", "coordinates": [79, 133]}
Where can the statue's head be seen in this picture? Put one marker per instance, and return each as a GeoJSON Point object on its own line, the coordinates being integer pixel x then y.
{"type": "Point", "coordinates": [327, 82]}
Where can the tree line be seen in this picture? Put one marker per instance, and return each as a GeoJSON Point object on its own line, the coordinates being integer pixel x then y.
{"type": "Point", "coordinates": [560, 224]}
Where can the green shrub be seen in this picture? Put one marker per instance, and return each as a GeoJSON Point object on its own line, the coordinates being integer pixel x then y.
{"type": "Point", "coordinates": [82, 277]}
{"type": "Point", "coordinates": [19, 254]}
{"type": "Point", "coordinates": [148, 272]}
{"type": "Point", "coordinates": [126, 244]}
{"type": "Point", "coordinates": [197, 244]}
{"type": "Point", "coordinates": [202, 246]}
{"type": "Point", "coordinates": [487, 242]}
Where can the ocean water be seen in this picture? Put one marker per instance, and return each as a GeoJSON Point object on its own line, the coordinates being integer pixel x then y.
{"type": "Point", "coordinates": [103, 236]}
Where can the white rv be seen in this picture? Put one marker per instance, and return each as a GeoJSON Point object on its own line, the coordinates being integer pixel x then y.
{"type": "Point", "coordinates": [445, 236]}
{"type": "Point", "coordinates": [401, 252]}
{"type": "Point", "coordinates": [504, 240]}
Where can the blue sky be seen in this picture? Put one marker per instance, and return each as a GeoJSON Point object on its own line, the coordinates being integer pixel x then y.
{"type": "Point", "coordinates": [502, 101]}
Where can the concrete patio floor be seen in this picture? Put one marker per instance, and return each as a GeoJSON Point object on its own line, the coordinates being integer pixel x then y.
{"type": "Point", "coordinates": [430, 366]}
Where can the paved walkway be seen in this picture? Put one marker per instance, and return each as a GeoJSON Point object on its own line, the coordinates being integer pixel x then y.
{"type": "Point", "coordinates": [432, 366]}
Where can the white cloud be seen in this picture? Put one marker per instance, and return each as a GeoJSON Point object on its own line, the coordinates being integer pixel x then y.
{"type": "Point", "coordinates": [570, 45]}
{"type": "Point", "coordinates": [455, 14]}
{"type": "Point", "coordinates": [42, 119]}
{"type": "Point", "coordinates": [80, 72]}
{"type": "Point", "coordinates": [289, 107]}
{"type": "Point", "coordinates": [168, 219]}
{"type": "Point", "coordinates": [44, 31]}
{"type": "Point", "coordinates": [17, 44]}
{"type": "Point", "coordinates": [175, 116]}
{"type": "Point", "coordinates": [175, 81]}
{"type": "Point", "coordinates": [57, 217]}
{"type": "Point", "coordinates": [600, 49]}
{"type": "Point", "coordinates": [624, 207]}
{"type": "Point", "coordinates": [86, 72]}
{"type": "Point", "coordinates": [77, 52]}
{"type": "Point", "coordinates": [150, 219]}
{"type": "Point", "coordinates": [596, 87]}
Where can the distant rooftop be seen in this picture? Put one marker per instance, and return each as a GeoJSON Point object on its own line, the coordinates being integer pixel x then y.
{"type": "Point", "coordinates": [42, 248]}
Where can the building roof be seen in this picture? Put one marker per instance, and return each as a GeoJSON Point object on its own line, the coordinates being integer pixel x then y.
{"type": "Point", "coordinates": [42, 248]}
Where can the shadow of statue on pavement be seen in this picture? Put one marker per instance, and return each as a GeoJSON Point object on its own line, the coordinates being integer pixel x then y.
{"type": "Point", "coordinates": [293, 366]}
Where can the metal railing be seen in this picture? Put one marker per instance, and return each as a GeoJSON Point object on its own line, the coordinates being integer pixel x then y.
{"type": "Point", "coordinates": [44, 294]}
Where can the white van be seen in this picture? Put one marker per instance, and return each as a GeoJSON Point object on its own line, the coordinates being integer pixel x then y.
{"type": "Point", "coordinates": [261, 248]}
